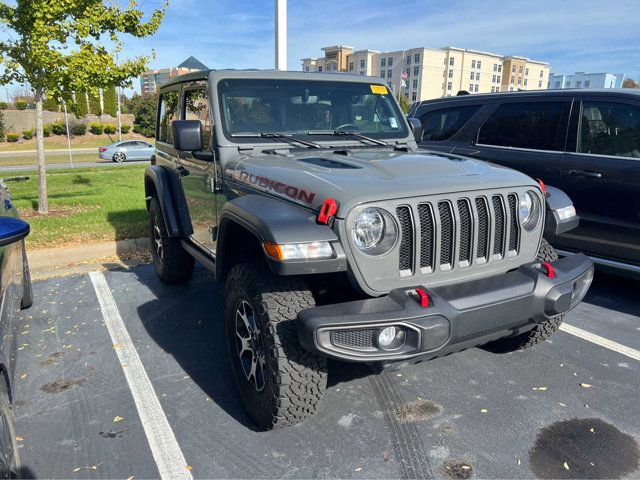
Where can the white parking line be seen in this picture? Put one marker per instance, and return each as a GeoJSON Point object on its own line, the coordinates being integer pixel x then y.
{"type": "Point", "coordinates": [603, 342]}
{"type": "Point", "coordinates": [164, 447]}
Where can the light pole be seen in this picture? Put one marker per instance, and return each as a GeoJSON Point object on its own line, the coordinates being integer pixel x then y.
{"type": "Point", "coordinates": [281, 34]}
{"type": "Point", "coordinates": [66, 122]}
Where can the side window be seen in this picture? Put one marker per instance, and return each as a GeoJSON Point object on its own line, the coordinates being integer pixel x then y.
{"type": "Point", "coordinates": [168, 113]}
{"type": "Point", "coordinates": [609, 129]}
{"type": "Point", "coordinates": [441, 125]}
{"type": "Point", "coordinates": [533, 125]}
{"type": "Point", "coordinates": [196, 107]}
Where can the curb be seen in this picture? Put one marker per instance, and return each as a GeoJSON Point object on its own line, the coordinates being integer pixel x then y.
{"type": "Point", "coordinates": [51, 258]}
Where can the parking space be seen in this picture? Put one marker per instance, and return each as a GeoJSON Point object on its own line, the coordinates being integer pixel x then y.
{"type": "Point", "coordinates": [566, 409]}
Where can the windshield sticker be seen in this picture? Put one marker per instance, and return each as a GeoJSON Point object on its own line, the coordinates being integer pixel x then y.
{"type": "Point", "coordinates": [392, 122]}
{"type": "Point", "coordinates": [379, 89]}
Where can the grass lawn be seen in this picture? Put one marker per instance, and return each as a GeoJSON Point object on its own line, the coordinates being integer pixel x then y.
{"type": "Point", "coordinates": [59, 158]}
{"type": "Point", "coordinates": [89, 140]}
{"type": "Point", "coordinates": [85, 205]}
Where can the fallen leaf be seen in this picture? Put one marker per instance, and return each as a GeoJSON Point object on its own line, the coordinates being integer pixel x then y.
{"type": "Point", "coordinates": [561, 404]}
{"type": "Point", "coordinates": [23, 376]}
{"type": "Point", "coordinates": [592, 430]}
{"type": "Point", "coordinates": [540, 389]}
{"type": "Point", "coordinates": [19, 439]}
{"type": "Point", "coordinates": [398, 374]}
{"type": "Point", "coordinates": [116, 346]}
{"type": "Point", "coordinates": [465, 467]}
{"type": "Point", "coordinates": [77, 469]}
{"type": "Point", "coordinates": [117, 419]}
{"type": "Point", "coordinates": [358, 469]}
{"type": "Point", "coordinates": [130, 478]}
{"type": "Point", "coordinates": [585, 385]}
{"type": "Point", "coordinates": [483, 410]}
{"type": "Point", "coordinates": [566, 466]}
{"type": "Point", "coordinates": [189, 467]}
{"type": "Point", "coordinates": [518, 461]}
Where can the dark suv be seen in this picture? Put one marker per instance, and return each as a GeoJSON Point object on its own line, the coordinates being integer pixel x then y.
{"type": "Point", "coordinates": [585, 142]}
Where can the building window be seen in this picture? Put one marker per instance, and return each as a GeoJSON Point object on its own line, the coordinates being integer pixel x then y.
{"type": "Point", "coordinates": [519, 81]}
{"type": "Point", "coordinates": [540, 84]}
{"type": "Point", "coordinates": [493, 79]}
{"type": "Point", "coordinates": [383, 62]}
{"type": "Point", "coordinates": [414, 96]}
{"type": "Point", "coordinates": [541, 73]}
{"type": "Point", "coordinates": [408, 72]}
{"type": "Point", "coordinates": [362, 73]}
{"type": "Point", "coordinates": [416, 58]}
{"type": "Point", "coordinates": [587, 83]}
{"type": "Point", "coordinates": [389, 73]}
{"type": "Point", "coordinates": [495, 67]}
{"type": "Point", "coordinates": [499, 68]}
{"type": "Point", "coordinates": [351, 66]}
{"type": "Point", "coordinates": [415, 83]}
{"type": "Point", "coordinates": [477, 76]}
{"type": "Point", "coordinates": [306, 68]}
{"type": "Point", "coordinates": [473, 76]}
{"type": "Point", "coordinates": [362, 63]}
{"type": "Point", "coordinates": [382, 72]}
{"type": "Point", "coordinates": [473, 64]}
{"type": "Point", "coordinates": [409, 59]}
{"type": "Point", "coordinates": [557, 83]}
{"type": "Point", "coordinates": [319, 68]}
{"type": "Point", "coordinates": [526, 71]}
{"type": "Point", "coordinates": [471, 87]}
{"type": "Point", "coordinates": [479, 64]}
{"type": "Point", "coordinates": [568, 83]}
{"type": "Point", "coordinates": [525, 82]}
{"type": "Point", "coordinates": [450, 73]}
{"type": "Point", "coordinates": [579, 84]}
{"type": "Point", "coordinates": [390, 62]}
{"type": "Point", "coordinates": [520, 70]}
{"type": "Point", "coordinates": [475, 89]}
{"type": "Point", "coordinates": [416, 71]}
{"type": "Point", "coordinates": [452, 61]}
{"type": "Point", "coordinates": [449, 86]}
{"type": "Point", "coordinates": [513, 69]}
{"type": "Point", "coordinates": [513, 79]}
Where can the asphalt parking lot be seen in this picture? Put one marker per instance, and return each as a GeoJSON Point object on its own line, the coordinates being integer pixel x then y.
{"type": "Point", "coordinates": [566, 409]}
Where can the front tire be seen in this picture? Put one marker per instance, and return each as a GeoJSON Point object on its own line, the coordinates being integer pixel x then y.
{"type": "Point", "coordinates": [173, 263]}
{"type": "Point", "coordinates": [119, 157]}
{"type": "Point", "coordinates": [541, 331]}
{"type": "Point", "coordinates": [280, 382]}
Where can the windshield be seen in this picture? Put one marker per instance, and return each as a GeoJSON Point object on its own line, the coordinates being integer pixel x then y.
{"type": "Point", "coordinates": [254, 107]}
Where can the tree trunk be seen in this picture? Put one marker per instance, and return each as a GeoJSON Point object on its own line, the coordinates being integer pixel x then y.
{"type": "Point", "coordinates": [43, 203]}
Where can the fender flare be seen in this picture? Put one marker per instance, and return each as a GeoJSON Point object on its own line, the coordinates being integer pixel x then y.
{"type": "Point", "coordinates": [276, 221]}
{"type": "Point", "coordinates": [163, 184]}
{"type": "Point", "coordinates": [556, 199]}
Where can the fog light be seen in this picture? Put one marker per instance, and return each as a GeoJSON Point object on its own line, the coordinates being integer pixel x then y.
{"type": "Point", "coordinates": [580, 287]}
{"type": "Point", "coordinates": [391, 338]}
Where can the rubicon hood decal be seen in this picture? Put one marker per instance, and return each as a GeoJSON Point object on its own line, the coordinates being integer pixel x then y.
{"type": "Point", "coordinates": [291, 191]}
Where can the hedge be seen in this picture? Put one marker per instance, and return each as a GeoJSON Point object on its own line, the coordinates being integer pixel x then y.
{"type": "Point", "coordinates": [110, 128]}
{"type": "Point", "coordinates": [79, 129]}
{"type": "Point", "coordinates": [96, 128]}
{"type": "Point", "coordinates": [12, 137]}
{"type": "Point", "coordinates": [59, 128]}
{"type": "Point", "coordinates": [27, 134]}
{"type": "Point", "coordinates": [4, 105]}
{"type": "Point", "coordinates": [46, 129]}
{"type": "Point", "coordinates": [125, 127]}
{"type": "Point", "coordinates": [21, 104]}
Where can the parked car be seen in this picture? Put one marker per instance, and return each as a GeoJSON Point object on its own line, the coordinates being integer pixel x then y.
{"type": "Point", "coordinates": [585, 142]}
{"type": "Point", "coordinates": [15, 294]}
{"type": "Point", "coordinates": [127, 150]}
{"type": "Point", "coordinates": [336, 237]}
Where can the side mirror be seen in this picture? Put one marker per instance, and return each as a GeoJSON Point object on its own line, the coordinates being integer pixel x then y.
{"type": "Point", "coordinates": [187, 135]}
{"type": "Point", "coordinates": [416, 127]}
{"type": "Point", "coordinates": [12, 230]}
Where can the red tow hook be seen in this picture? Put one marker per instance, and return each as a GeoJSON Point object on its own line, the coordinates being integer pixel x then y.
{"type": "Point", "coordinates": [423, 298]}
{"type": "Point", "coordinates": [551, 272]}
{"type": "Point", "coordinates": [327, 211]}
{"type": "Point", "coordinates": [542, 187]}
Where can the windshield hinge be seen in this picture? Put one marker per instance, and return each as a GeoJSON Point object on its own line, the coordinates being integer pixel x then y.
{"type": "Point", "coordinates": [245, 148]}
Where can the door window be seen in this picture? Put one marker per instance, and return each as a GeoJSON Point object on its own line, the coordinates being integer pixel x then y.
{"type": "Point", "coordinates": [168, 113]}
{"type": "Point", "coordinates": [609, 129]}
{"type": "Point", "coordinates": [196, 107]}
{"type": "Point", "coordinates": [443, 124]}
{"type": "Point", "coordinates": [532, 125]}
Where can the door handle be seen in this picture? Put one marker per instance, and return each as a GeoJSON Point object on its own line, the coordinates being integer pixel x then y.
{"type": "Point", "coordinates": [585, 173]}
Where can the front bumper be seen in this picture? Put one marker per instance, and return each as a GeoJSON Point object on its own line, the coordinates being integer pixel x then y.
{"type": "Point", "coordinates": [458, 316]}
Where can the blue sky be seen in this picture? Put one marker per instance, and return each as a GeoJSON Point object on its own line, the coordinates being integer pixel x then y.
{"type": "Point", "coordinates": [571, 35]}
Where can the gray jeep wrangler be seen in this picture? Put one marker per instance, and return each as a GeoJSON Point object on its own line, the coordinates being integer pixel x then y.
{"type": "Point", "coordinates": [336, 238]}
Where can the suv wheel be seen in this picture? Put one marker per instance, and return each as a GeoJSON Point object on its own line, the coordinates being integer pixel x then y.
{"type": "Point", "coordinates": [9, 458]}
{"type": "Point", "coordinates": [540, 331]}
{"type": "Point", "coordinates": [172, 262]}
{"type": "Point", "coordinates": [279, 381]}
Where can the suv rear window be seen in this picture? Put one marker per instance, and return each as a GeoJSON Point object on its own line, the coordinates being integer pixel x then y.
{"type": "Point", "coordinates": [533, 125]}
{"type": "Point", "coordinates": [443, 124]}
{"type": "Point", "coordinates": [609, 129]}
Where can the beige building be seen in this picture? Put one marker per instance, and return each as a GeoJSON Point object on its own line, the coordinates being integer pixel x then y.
{"type": "Point", "coordinates": [151, 80]}
{"type": "Point", "coordinates": [424, 73]}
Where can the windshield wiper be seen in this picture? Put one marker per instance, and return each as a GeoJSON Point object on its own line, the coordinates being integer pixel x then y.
{"type": "Point", "coordinates": [277, 136]}
{"type": "Point", "coordinates": [344, 133]}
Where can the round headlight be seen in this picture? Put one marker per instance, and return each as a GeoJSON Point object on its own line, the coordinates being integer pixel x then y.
{"type": "Point", "coordinates": [525, 207]}
{"type": "Point", "coordinates": [368, 229]}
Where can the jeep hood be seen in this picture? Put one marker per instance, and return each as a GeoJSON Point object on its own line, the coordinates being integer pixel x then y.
{"type": "Point", "coordinates": [360, 176]}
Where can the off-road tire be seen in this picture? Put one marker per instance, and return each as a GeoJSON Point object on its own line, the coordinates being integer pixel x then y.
{"type": "Point", "coordinates": [9, 457]}
{"type": "Point", "coordinates": [173, 263]}
{"type": "Point", "coordinates": [294, 378]}
{"type": "Point", "coordinates": [540, 331]}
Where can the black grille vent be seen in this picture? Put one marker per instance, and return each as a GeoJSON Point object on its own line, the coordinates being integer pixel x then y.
{"type": "Point", "coordinates": [466, 232]}
{"type": "Point", "coordinates": [483, 227]}
{"type": "Point", "coordinates": [446, 233]}
{"type": "Point", "coordinates": [355, 339]}
{"type": "Point", "coordinates": [498, 243]}
{"type": "Point", "coordinates": [406, 238]}
{"type": "Point", "coordinates": [513, 224]}
{"type": "Point", "coordinates": [427, 232]}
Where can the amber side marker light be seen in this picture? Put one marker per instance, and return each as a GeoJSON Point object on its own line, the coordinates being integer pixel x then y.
{"type": "Point", "coordinates": [298, 251]}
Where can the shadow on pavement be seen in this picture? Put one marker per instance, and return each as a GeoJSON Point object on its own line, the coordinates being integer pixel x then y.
{"type": "Point", "coordinates": [614, 292]}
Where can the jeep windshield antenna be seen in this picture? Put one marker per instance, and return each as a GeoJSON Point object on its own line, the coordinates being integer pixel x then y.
{"type": "Point", "coordinates": [344, 133]}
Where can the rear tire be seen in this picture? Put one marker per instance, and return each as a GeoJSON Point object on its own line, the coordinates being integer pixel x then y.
{"type": "Point", "coordinates": [173, 263]}
{"type": "Point", "coordinates": [280, 382]}
{"type": "Point", "coordinates": [27, 288]}
{"type": "Point", "coordinates": [541, 331]}
{"type": "Point", "coordinates": [9, 456]}
{"type": "Point", "coordinates": [119, 157]}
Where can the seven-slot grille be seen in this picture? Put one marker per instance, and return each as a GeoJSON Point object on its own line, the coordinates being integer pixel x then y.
{"type": "Point", "coordinates": [463, 232]}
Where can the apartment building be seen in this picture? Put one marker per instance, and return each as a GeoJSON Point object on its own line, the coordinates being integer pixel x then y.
{"type": "Point", "coordinates": [423, 73]}
{"type": "Point", "coordinates": [151, 80]}
{"type": "Point", "coordinates": [586, 80]}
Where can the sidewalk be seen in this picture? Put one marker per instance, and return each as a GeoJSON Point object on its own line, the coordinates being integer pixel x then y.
{"type": "Point", "coordinates": [51, 151]}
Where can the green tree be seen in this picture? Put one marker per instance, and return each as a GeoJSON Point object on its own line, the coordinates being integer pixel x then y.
{"type": "Point", "coordinates": [50, 104]}
{"type": "Point", "coordinates": [403, 100]}
{"type": "Point", "coordinates": [143, 108]}
{"type": "Point", "coordinates": [80, 104]}
{"type": "Point", "coordinates": [94, 103]}
{"type": "Point", "coordinates": [55, 46]}
{"type": "Point", "coordinates": [110, 101]}
{"type": "Point", "coordinates": [1, 127]}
